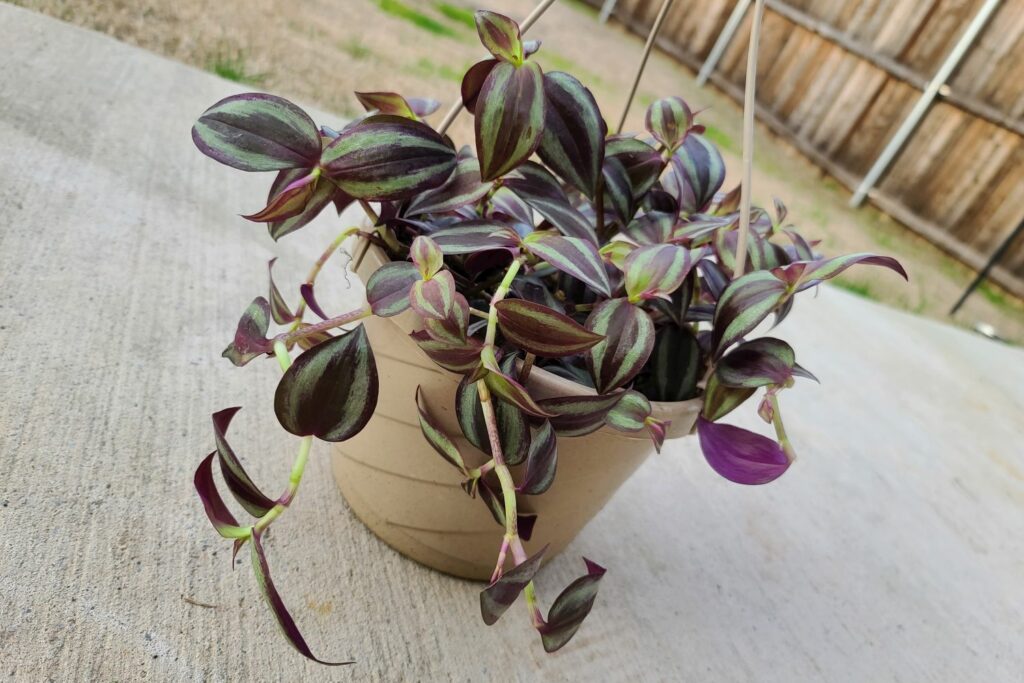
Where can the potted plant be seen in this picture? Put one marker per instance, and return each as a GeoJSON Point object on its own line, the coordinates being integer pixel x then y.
{"type": "Point", "coordinates": [558, 302]}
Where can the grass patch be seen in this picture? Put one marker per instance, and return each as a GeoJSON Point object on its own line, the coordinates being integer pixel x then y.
{"type": "Point", "coordinates": [459, 15]}
{"type": "Point", "coordinates": [720, 138]}
{"type": "Point", "coordinates": [552, 61]}
{"type": "Point", "coordinates": [232, 67]}
{"type": "Point", "coordinates": [994, 295]}
{"type": "Point", "coordinates": [416, 18]}
{"type": "Point", "coordinates": [581, 6]}
{"type": "Point", "coordinates": [425, 68]}
{"type": "Point", "coordinates": [861, 289]}
{"type": "Point", "coordinates": [356, 49]}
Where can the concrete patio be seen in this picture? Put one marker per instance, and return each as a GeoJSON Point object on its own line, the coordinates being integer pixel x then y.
{"type": "Point", "coordinates": [892, 550]}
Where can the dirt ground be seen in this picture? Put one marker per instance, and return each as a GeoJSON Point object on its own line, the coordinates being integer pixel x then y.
{"type": "Point", "coordinates": [320, 51]}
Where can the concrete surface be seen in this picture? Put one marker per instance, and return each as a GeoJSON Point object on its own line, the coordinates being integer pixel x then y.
{"type": "Point", "coordinates": [892, 550]}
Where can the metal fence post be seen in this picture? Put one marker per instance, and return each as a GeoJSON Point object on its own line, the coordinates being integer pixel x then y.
{"type": "Point", "coordinates": [892, 149]}
{"type": "Point", "coordinates": [723, 40]}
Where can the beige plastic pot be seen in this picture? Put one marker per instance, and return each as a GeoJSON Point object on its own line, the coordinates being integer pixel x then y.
{"type": "Point", "coordinates": [411, 498]}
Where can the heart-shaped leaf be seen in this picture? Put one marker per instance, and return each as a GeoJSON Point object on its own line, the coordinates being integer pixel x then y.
{"type": "Point", "coordinates": [743, 305]}
{"type": "Point", "coordinates": [657, 270]}
{"type": "Point", "coordinates": [574, 132]}
{"type": "Point", "coordinates": [570, 608]}
{"type": "Point", "coordinates": [696, 172]}
{"type": "Point", "coordinates": [739, 455]}
{"type": "Point", "coordinates": [499, 596]}
{"type": "Point", "coordinates": [575, 257]}
{"type": "Point", "coordinates": [241, 486]}
{"type": "Point", "coordinates": [542, 331]}
{"type": "Point", "coordinates": [509, 117]}
{"type": "Point", "coordinates": [436, 437]}
{"type": "Point", "coordinates": [388, 288]}
{"type": "Point", "coordinates": [757, 363]}
{"type": "Point", "coordinates": [541, 190]}
{"type": "Point", "coordinates": [541, 462]}
{"type": "Point", "coordinates": [500, 35]}
{"type": "Point", "coordinates": [434, 298]}
{"type": "Point", "coordinates": [388, 158]}
{"type": "Point", "coordinates": [629, 340]}
{"type": "Point", "coordinates": [276, 604]}
{"type": "Point", "coordinates": [329, 391]}
{"type": "Point", "coordinates": [669, 120]}
{"type": "Point", "coordinates": [257, 132]}
{"type": "Point", "coordinates": [251, 334]}
{"type": "Point", "coordinates": [221, 518]}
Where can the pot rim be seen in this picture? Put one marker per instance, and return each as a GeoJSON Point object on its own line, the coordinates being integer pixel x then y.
{"type": "Point", "coordinates": [547, 383]}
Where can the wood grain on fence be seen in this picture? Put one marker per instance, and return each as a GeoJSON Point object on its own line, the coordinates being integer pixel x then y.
{"type": "Point", "coordinates": [837, 77]}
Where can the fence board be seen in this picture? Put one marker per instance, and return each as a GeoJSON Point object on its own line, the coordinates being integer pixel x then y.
{"type": "Point", "coordinates": [837, 77]}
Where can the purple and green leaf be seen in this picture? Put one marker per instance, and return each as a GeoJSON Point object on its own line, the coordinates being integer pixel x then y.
{"type": "Point", "coordinates": [509, 117]}
{"type": "Point", "coordinates": [573, 141]}
{"type": "Point", "coordinates": [499, 596]}
{"type": "Point", "coordinates": [436, 437]}
{"type": "Point", "coordinates": [570, 608]}
{"type": "Point", "coordinates": [251, 334]}
{"type": "Point", "coordinates": [239, 483]}
{"type": "Point", "coordinates": [539, 330]}
{"type": "Point", "coordinates": [573, 256]}
{"type": "Point", "coordinates": [541, 462]}
{"type": "Point", "coordinates": [629, 340]}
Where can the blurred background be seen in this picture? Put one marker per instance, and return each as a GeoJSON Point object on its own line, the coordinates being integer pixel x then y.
{"type": "Point", "coordinates": [836, 80]}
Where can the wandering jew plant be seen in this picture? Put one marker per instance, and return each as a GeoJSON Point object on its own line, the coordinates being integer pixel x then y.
{"type": "Point", "coordinates": [607, 259]}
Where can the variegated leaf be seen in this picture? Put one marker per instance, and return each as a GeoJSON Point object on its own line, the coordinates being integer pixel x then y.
{"type": "Point", "coordinates": [499, 596]}
{"type": "Point", "coordinates": [251, 334]}
{"type": "Point", "coordinates": [720, 400]}
{"type": "Point", "coordinates": [257, 132]}
{"type": "Point", "coordinates": [462, 357]}
{"type": "Point", "coordinates": [329, 391]}
{"type": "Point", "coordinates": [434, 298]}
{"type": "Point", "coordinates": [323, 194]}
{"type": "Point", "coordinates": [674, 367]}
{"type": "Point", "coordinates": [629, 340]}
{"type": "Point", "coordinates": [241, 486]}
{"type": "Point", "coordinates": [696, 172]}
{"type": "Point", "coordinates": [291, 201]}
{"type": "Point", "coordinates": [541, 190]}
{"type": "Point", "coordinates": [386, 103]}
{"type": "Point", "coordinates": [642, 162]}
{"type": "Point", "coordinates": [476, 235]}
{"type": "Point", "coordinates": [618, 190]}
{"type": "Point", "coordinates": [220, 517]}
{"type": "Point", "coordinates": [629, 412]}
{"type": "Point", "coordinates": [826, 269]}
{"type": "Point", "coordinates": [574, 132]}
{"type": "Point", "coordinates": [539, 330]}
{"type": "Point", "coordinates": [500, 35]}
{"type": "Point", "coordinates": [473, 83]}
{"type": "Point", "coordinates": [579, 415]}
{"type": "Point", "coordinates": [426, 256]}
{"type": "Point", "coordinates": [669, 120]}
{"type": "Point", "coordinates": [513, 430]}
{"type": "Point", "coordinates": [389, 287]}
{"type": "Point", "coordinates": [570, 608]}
{"type": "Point", "coordinates": [541, 462]}
{"type": "Point", "coordinates": [462, 189]}
{"type": "Point", "coordinates": [743, 305]}
{"type": "Point", "coordinates": [509, 117]}
{"type": "Point", "coordinates": [573, 256]}
{"type": "Point", "coordinates": [657, 270]}
{"type": "Point", "coordinates": [436, 437]}
{"type": "Point", "coordinates": [388, 158]}
{"type": "Point", "coordinates": [757, 363]}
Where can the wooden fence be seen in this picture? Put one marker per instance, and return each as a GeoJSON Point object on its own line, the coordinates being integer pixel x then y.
{"type": "Point", "coordinates": [838, 77]}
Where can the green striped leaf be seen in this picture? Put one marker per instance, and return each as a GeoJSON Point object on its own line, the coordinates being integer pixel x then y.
{"type": "Point", "coordinates": [579, 415]}
{"type": "Point", "coordinates": [291, 201]}
{"type": "Point", "coordinates": [388, 158]}
{"type": "Point", "coordinates": [509, 117]}
{"type": "Point", "coordinates": [669, 120]}
{"type": "Point", "coordinates": [473, 83]}
{"type": "Point", "coordinates": [436, 437]}
{"type": "Point", "coordinates": [279, 308]}
{"type": "Point", "coordinates": [513, 392]}
{"type": "Point", "coordinates": [642, 162]}
{"type": "Point", "coordinates": [462, 189]}
{"type": "Point", "coordinates": [475, 235]}
{"type": "Point", "coordinates": [757, 363]}
{"type": "Point", "coordinates": [386, 103]}
{"type": "Point", "coordinates": [653, 227]}
{"type": "Point", "coordinates": [257, 132]}
{"type": "Point", "coordinates": [618, 190]}
{"type": "Point", "coordinates": [251, 334]}
{"type": "Point", "coordinates": [462, 357]}
{"type": "Point", "coordinates": [329, 391]}
{"type": "Point", "coordinates": [323, 194]}
{"type": "Point", "coordinates": [500, 35]}
{"type": "Point", "coordinates": [241, 486]}
{"type": "Point", "coordinates": [220, 517]}
{"type": "Point", "coordinates": [743, 305]}
{"type": "Point", "coordinates": [629, 340]}
{"type": "Point", "coordinates": [629, 413]}
{"type": "Point", "coordinates": [720, 400]}
{"type": "Point", "coordinates": [657, 270]}
{"type": "Point", "coordinates": [573, 141]}
{"type": "Point", "coordinates": [570, 608]}
{"type": "Point", "coordinates": [542, 331]}
{"type": "Point", "coordinates": [573, 256]}
{"type": "Point", "coordinates": [434, 298]}
{"type": "Point", "coordinates": [695, 174]}
{"type": "Point", "coordinates": [426, 256]}
{"type": "Point", "coordinates": [826, 269]}
{"type": "Point", "coordinates": [389, 287]}
{"type": "Point", "coordinates": [541, 462]}
{"type": "Point", "coordinates": [513, 430]}
{"type": "Point", "coordinates": [499, 596]}
{"type": "Point", "coordinates": [284, 620]}
{"type": "Point", "coordinates": [675, 366]}
{"type": "Point", "coordinates": [538, 188]}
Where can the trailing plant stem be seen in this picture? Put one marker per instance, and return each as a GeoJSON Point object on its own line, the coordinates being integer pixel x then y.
{"type": "Point", "coordinates": [329, 324]}
{"type": "Point", "coordinates": [780, 429]}
{"type": "Point", "coordinates": [314, 272]}
{"type": "Point", "coordinates": [499, 294]}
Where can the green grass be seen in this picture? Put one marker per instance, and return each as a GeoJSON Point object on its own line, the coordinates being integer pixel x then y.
{"type": "Point", "coordinates": [233, 68]}
{"type": "Point", "coordinates": [552, 61]}
{"type": "Point", "coordinates": [720, 138]}
{"type": "Point", "coordinates": [995, 296]}
{"type": "Point", "coordinates": [355, 49]}
{"type": "Point", "coordinates": [460, 15]}
{"type": "Point", "coordinates": [861, 289]}
{"type": "Point", "coordinates": [425, 68]}
{"type": "Point", "coordinates": [581, 6]}
{"type": "Point", "coordinates": [402, 11]}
